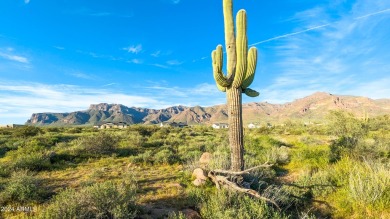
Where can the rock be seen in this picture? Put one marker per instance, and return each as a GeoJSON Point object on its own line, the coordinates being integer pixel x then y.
{"type": "Point", "coordinates": [191, 214]}
{"type": "Point", "coordinates": [205, 158]}
{"type": "Point", "coordinates": [198, 182]}
{"type": "Point", "coordinates": [199, 174]}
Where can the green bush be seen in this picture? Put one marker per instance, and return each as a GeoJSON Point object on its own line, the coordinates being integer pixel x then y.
{"type": "Point", "coordinates": [31, 156]}
{"type": "Point", "coordinates": [23, 188]}
{"type": "Point", "coordinates": [27, 131]}
{"type": "Point", "coordinates": [166, 156]}
{"type": "Point", "coordinates": [222, 204]}
{"type": "Point", "coordinates": [143, 158]}
{"type": "Point", "coordinates": [97, 144]}
{"type": "Point", "coordinates": [143, 130]}
{"type": "Point", "coordinates": [102, 200]}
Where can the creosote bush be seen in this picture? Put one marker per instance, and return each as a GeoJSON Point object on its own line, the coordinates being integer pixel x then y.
{"type": "Point", "coordinates": [229, 205]}
{"type": "Point", "coordinates": [100, 143]}
{"type": "Point", "coordinates": [23, 188]}
{"type": "Point", "coordinates": [103, 200]}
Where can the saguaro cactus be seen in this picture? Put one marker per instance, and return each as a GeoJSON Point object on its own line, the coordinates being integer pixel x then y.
{"type": "Point", "coordinates": [241, 67]}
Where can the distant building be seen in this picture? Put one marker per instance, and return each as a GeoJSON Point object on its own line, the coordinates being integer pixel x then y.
{"type": "Point", "coordinates": [220, 125]}
{"type": "Point", "coordinates": [253, 125]}
{"type": "Point", "coordinates": [110, 125]}
{"type": "Point", "coordinates": [173, 124]}
{"type": "Point", "coordinates": [10, 126]}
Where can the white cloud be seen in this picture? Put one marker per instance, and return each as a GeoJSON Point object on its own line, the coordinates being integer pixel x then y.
{"type": "Point", "coordinates": [59, 47]}
{"type": "Point", "coordinates": [83, 75]}
{"type": "Point", "coordinates": [174, 62]}
{"type": "Point", "coordinates": [160, 66]}
{"type": "Point", "coordinates": [19, 100]}
{"type": "Point", "coordinates": [135, 61]}
{"type": "Point", "coordinates": [134, 49]}
{"type": "Point", "coordinates": [333, 57]}
{"type": "Point", "coordinates": [156, 54]}
{"type": "Point", "coordinates": [15, 58]}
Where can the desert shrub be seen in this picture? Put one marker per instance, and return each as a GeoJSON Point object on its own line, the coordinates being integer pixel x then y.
{"type": "Point", "coordinates": [54, 129]}
{"type": "Point", "coordinates": [5, 170]}
{"type": "Point", "coordinates": [103, 200]}
{"type": "Point", "coordinates": [74, 130]}
{"type": "Point", "coordinates": [153, 143]}
{"type": "Point", "coordinates": [345, 125]}
{"type": "Point", "coordinates": [369, 184]}
{"type": "Point", "coordinates": [23, 188]}
{"type": "Point", "coordinates": [166, 156]}
{"type": "Point", "coordinates": [27, 131]}
{"type": "Point", "coordinates": [309, 157]}
{"type": "Point", "coordinates": [320, 183]}
{"type": "Point", "coordinates": [96, 144]}
{"type": "Point", "coordinates": [349, 131]}
{"type": "Point", "coordinates": [261, 149]}
{"type": "Point", "coordinates": [363, 189]}
{"type": "Point", "coordinates": [161, 134]}
{"type": "Point", "coordinates": [380, 122]}
{"type": "Point", "coordinates": [143, 130]}
{"type": "Point", "coordinates": [31, 156]}
{"type": "Point", "coordinates": [223, 204]}
{"type": "Point", "coordinates": [143, 158]}
{"type": "Point", "coordinates": [133, 139]}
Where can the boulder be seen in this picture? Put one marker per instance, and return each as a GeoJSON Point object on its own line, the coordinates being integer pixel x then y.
{"type": "Point", "coordinates": [198, 182]}
{"type": "Point", "coordinates": [205, 158]}
{"type": "Point", "coordinates": [199, 173]}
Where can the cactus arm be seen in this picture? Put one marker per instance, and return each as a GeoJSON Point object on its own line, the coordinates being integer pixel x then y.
{"type": "Point", "coordinates": [251, 68]}
{"type": "Point", "coordinates": [229, 38]}
{"type": "Point", "coordinates": [241, 49]}
{"type": "Point", "coordinates": [223, 89]}
{"type": "Point", "coordinates": [217, 58]}
{"type": "Point", "coordinates": [251, 93]}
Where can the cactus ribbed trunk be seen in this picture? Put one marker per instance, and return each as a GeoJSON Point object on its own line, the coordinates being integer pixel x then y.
{"type": "Point", "coordinates": [236, 135]}
{"type": "Point", "coordinates": [241, 67]}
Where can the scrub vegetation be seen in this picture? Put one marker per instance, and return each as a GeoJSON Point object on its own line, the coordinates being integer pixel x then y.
{"type": "Point", "coordinates": [340, 169]}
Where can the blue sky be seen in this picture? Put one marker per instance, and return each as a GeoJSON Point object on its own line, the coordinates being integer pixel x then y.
{"type": "Point", "coordinates": [63, 55]}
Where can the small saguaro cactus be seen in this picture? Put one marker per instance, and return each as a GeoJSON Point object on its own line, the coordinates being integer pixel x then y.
{"type": "Point", "coordinates": [241, 67]}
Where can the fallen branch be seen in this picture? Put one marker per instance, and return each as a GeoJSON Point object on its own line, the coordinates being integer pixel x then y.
{"type": "Point", "coordinates": [224, 182]}
{"type": "Point", "coordinates": [244, 171]}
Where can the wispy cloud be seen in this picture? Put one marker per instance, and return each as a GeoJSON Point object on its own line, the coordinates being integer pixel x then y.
{"type": "Point", "coordinates": [311, 14]}
{"type": "Point", "coordinates": [159, 66]}
{"type": "Point", "coordinates": [83, 75]}
{"type": "Point", "coordinates": [21, 99]}
{"type": "Point", "coordinates": [174, 62]}
{"type": "Point", "coordinates": [156, 54]}
{"type": "Point", "coordinates": [26, 1]}
{"type": "Point", "coordinates": [134, 49]}
{"type": "Point", "coordinates": [59, 47]}
{"type": "Point", "coordinates": [333, 58]}
{"type": "Point", "coordinates": [135, 61]}
{"type": "Point", "coordinates": [97, 14]}
{"type": "Point", "coordinates": [110, 84]}
{"type": "Point", "coordinates": [16, 58]}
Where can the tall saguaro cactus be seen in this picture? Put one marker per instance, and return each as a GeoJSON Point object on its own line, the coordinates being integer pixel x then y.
{"type": "Point", "coordinates": [241, 66]}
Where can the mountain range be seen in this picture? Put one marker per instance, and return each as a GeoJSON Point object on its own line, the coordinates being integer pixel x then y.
{"type": "Point", "coordinates": [313, 108]}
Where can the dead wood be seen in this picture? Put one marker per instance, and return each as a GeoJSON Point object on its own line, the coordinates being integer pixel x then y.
{"type": "Point", "coordinates": [242, 172]}
{"type": "Point", "coordinates": [222, 181]}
